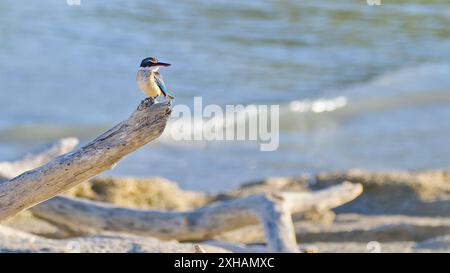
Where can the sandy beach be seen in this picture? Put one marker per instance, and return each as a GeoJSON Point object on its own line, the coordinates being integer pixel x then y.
{"type": "Point", "coordinates": [399, 211]}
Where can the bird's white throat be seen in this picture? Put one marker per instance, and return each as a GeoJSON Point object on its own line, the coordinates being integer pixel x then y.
{"type": "Point", "coordinates": [153, 69]}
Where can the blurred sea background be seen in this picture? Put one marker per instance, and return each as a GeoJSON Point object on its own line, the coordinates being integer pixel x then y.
{"type": "Point", "coordinates": [358, 86]}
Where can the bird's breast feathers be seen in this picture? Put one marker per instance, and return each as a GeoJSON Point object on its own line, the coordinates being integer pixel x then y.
{"type": "Point", "coordinates": [147, 84]}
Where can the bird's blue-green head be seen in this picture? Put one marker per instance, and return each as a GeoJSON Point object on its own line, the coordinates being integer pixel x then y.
{"type": "Point", "coordinates": [152, 63]}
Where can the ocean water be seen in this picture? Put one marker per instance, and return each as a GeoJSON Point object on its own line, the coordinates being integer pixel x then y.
{"type": "Point", "coordinates": [358, 86]}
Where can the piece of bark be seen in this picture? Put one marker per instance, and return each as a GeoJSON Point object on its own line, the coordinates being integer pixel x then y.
{"type": "Point", "coordinates": [64, 172]}
{"type": "Point", "coordinates": [273, 210]}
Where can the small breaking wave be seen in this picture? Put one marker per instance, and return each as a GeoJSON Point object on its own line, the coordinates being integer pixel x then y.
{"type": "Point", "coordinates": [319, 105]}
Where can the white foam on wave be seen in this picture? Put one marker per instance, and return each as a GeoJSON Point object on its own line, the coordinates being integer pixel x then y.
{"type": "Point", "coordinates": [319, 105]}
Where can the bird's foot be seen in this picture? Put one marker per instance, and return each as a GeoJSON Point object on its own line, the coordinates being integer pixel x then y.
{"type": "Point", "coordinates": [146, 103]}
{"type": "Point", "coordinates": [170, 97]}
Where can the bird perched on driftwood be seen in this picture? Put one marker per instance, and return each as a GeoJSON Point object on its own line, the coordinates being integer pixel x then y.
{"type": "Point", "coordinates": [150, 80]}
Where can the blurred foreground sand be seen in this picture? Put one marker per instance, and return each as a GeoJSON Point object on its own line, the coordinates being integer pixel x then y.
{"type": "Point", "coordinates": [399, 211]}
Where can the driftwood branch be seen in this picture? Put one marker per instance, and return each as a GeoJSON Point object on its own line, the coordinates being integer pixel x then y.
{"type": "Point", "coordinates": [9, 170]}
{"type": "Point", "coordinates": [12, 240]}
{"type": "Point", "coordinates": [32, 187]}
{"type": "Point", "coordinates": [273, 210]}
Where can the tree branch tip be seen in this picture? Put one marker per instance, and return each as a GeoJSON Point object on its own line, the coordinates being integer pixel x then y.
{"type": "Point", "coordinates": [357, 187]}
{"type": "Point", "coordinates": [148, 103]}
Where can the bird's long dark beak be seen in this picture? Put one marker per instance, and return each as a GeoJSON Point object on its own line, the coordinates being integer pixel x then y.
{"type": "Point", "coordinates": [162, 64]}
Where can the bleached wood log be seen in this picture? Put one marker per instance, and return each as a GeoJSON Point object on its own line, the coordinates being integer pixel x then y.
{"type": "Point", "coordinates": [9, 170]}
{"type": "Point", "coordinates": [12, 240]}
{"type": "Point", "coordinates": [276, 217]}
{"type": "Point", "coordinates": [273, 210]}
{"type": "Point", "coordinates": [237, 247]}
{"type": "Point", "coordinates": [199, 249]}
{"type": "Point", "coordinates": [64, 172]}
{"type": "Point", "coordinates": [243, 248]}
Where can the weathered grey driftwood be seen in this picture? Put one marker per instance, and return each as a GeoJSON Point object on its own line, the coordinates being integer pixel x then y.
{"type": "Point", "coordinates": [273, 210]}
{"type": "Point", "coordinates": [237, 247]}
{"type": "Point", "coordinates": [276, 218]}
{"type": "Point", "coordinates": [12, 240]}
{"type": "Point", "coordinates": [9, 170]}
{"type": "Point", "coordinates": [66, 171]}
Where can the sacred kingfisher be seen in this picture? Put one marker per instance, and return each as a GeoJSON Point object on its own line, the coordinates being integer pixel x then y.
{"type": "Point", "coordinates": [150, 80]}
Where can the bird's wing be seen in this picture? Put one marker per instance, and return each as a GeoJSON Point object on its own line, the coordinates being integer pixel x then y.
{"type": "Point", "coordinates": [160, 82]}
